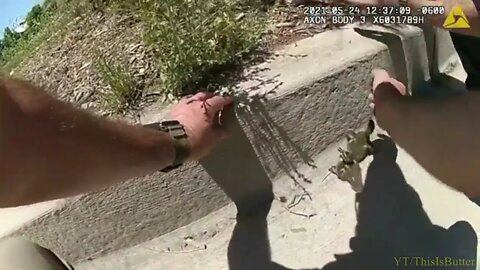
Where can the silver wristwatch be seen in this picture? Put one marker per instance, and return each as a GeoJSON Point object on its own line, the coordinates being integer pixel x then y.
{"type": "Point", "coordinates": [180, 138]}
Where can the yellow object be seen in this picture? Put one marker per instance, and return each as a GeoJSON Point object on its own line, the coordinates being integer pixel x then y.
{"type": "Point", "coordinates": [456, 19]}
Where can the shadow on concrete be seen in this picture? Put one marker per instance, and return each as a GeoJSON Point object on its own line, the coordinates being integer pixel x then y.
{"type": "Point", "coordinates": [249, 247]}
{"type": "Point", "coordinates": [393, 230]}
{"type": "Point", "coordinates": [243, 178]}
{"type": "Point", "coordinates": [249, 184]}
{"type": "Point", "coordinates": [271, 141]}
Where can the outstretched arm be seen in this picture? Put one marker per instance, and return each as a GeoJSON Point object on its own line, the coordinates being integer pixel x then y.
{"type": "Point", "coordinates": [442, 135]}
{"type": "Point", "coordinates": [50, 150]}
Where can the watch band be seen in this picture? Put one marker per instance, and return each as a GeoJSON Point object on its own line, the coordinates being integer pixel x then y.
{"type": "Point", "coordinates": [180, 139]}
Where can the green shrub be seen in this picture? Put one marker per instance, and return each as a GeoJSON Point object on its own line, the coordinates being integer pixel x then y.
{"type": "Point", "coordinates": [192, 40]}
{"type": "Point", "coordinates": [13, 44]}
{"type": "Point", "coordinates": [123, 92]}
{"type": "Point", "coordinates": [192, 37]}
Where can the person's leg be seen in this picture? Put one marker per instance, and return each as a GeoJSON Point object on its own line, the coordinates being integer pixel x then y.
{"type": "Point", "coordinates": [19, 253]}
{"type": "Point", "coordinates": [467, 48]}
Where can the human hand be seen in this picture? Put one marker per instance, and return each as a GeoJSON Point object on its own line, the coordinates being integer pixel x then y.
{"type": "Point", "coordinates": [201, 117]}
{"type": "Point", "coordinates": [384, 98]}
{"type": "Point", "coordinates": [385, 88]}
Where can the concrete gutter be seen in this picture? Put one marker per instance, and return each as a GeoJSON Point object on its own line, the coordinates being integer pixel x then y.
{"type": "Point", "coordinates": [15, 217]}
{"type": "Point", "coordinates": [291, 108]}
{"type": "Point", "coordinates": [402, 212]}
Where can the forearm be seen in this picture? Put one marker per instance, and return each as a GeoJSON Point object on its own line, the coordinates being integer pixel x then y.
{"type": "Point", "coordinates": [49, 150]}
{"type": "Point", "coordinates": [443, 136]}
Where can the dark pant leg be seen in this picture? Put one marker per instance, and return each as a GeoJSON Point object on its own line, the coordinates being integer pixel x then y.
{"type": "Point", "coordinates": [468, 48]}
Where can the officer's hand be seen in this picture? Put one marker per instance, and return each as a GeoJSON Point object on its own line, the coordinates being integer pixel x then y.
{"type": "Point", "coordinates": [200, 115]}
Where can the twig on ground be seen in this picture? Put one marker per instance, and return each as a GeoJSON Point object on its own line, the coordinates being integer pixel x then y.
{"type": "Point", "coordinates": [179, 251]}
{"type": "Point", "coordinates": [300, 213]}
{"type": "Point", "coordinates": [326, 176]}
{"type": "Point", "coordinates": [296, 202]}
{"type": "Point", "coordinates": [305, 191]}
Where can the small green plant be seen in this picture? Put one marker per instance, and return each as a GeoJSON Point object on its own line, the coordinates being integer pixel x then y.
{"type": "Point", "coordinates": [44, 23]}
{"type": "Point", "coordinates": [123, 92]}
{"type": "Point", "coordinates": [191, 38]}
{"type": "Point", "coordinates": [195, 42]}
{"type": "Point", "coordinates": [35, 21]}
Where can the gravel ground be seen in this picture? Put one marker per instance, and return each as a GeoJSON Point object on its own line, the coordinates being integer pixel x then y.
{"type": "Point", "coordinates": [66, 67]}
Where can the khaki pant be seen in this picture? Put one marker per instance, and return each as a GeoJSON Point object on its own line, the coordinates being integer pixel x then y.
{"type": "Point", "coordinates": [21, 254]}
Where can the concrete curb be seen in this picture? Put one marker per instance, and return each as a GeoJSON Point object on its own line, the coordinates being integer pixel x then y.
{"type": "Point", "coordinates": [15, 217]}
{"type": "Point", "coordinates": [401, 210]}
{"type": "Point", "coordinates": [319, 91]}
